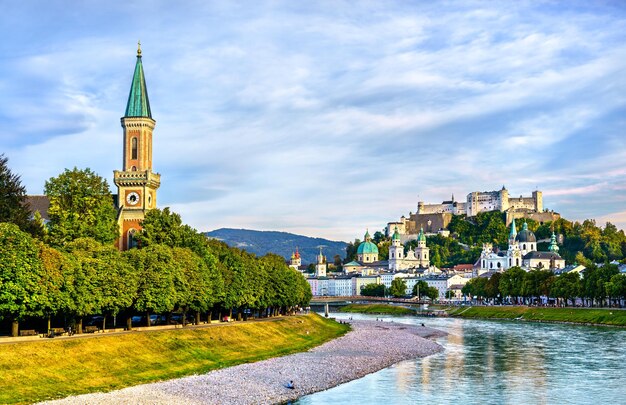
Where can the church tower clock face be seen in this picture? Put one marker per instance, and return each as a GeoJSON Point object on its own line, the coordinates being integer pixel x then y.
{"type": "Point", "coordinates": [132, 198]}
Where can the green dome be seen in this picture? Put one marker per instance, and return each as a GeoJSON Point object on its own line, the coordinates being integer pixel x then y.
{"type": "Point", "coordinates": [421, 237]}
{"type": "Point", "coordinates": [396, 234]}
{"type": "Point", "coordinates": [366, 248]}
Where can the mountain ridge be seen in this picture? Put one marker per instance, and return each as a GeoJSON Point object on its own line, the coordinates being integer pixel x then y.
{"type": "Point", "coordinates": [280, 243]}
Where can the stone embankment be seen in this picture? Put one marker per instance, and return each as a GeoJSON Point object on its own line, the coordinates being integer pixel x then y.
{"type": "Point", "coordinates": [369, 347]}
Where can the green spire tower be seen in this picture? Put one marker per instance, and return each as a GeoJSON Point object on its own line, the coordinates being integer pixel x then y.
{"type": "Point", "coordinates": [136, 182]}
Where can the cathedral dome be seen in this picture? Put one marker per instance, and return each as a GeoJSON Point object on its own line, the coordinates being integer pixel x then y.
{"type": "Point", "coordinates": [368, 246]}
{"type": "Point", "coordinates": [526, 235]}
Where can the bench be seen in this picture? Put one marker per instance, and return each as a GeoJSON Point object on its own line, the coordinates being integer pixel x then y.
{"type": "Point", "coordinates": [90, 329]}
{"type": "Point", "coordinates": [28, 332]}
{"type": "Point", "coordinates": [56, 332]}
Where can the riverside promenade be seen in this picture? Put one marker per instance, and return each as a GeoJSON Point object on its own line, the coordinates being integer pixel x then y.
{"type": "Point", "coordinates": [369, 347]}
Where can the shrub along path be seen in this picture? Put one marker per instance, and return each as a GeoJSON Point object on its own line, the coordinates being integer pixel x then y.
{"type": "Point", "coordinates": [55, 368]}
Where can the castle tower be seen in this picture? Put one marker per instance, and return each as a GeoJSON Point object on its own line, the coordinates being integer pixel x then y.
{"type": "Point", "coordinates": [136, 182]}
{"type": "Point", "coordinates": [538, 199]}
{"type": "Point", "coordinates": [396, 252]}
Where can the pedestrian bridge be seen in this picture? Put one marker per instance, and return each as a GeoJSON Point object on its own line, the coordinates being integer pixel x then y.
{"type": "Point", "coordinates": [361, 298]}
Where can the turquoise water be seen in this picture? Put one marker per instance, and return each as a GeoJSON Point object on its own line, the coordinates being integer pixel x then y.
{"type": "Point", "coordinates": [498, 362]}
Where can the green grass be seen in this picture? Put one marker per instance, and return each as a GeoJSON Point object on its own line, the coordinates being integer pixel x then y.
{"type": "Point", "coordinates": [613, 317]}
{"type": "Point", "coordinates": [377, 309]}
{"type": "Point", "coordinates": [35, 371]}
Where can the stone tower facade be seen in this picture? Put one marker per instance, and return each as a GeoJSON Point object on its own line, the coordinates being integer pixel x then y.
{"type": "Point", "coordinates": [136, 183]}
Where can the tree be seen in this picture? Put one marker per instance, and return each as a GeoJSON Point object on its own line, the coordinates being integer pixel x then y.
{"type": "Point", "coordinates": [373, 290]}
{"type": "Point", "coordinates": [157, 270]}
{"type": "Point", "coordinates": [432, 293]}
{"type": "Point", "coordinates": [21, 273]}
{"type": "Point", "coordinates": [81, 205]}
{"type": "Point", "coordinates": [56, 282]}
{"type": "Point", "coordinates": [398, 287]}
{"type": "Point", "coordinates": [616, 288]}
{"type": "Point", "coordinates": [420, 289]}
{"type": "Point", "coordinates": [511, 282]}
{"type": "Point", "coordinates": [13, 205]}
{"type": "Point", "coordinates": [567, 286]}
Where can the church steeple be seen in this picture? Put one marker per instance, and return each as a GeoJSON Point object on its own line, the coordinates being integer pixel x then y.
{"type": "Point", "coordinates": [136, 183]}
{"type": "Point", "coordinates": [138, 104]}
{"type": "Point", "coordinates": [513, 233]}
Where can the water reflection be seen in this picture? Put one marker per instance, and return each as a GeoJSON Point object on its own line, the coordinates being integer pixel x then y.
{"type": "Point", "coordinates": [499, 363]}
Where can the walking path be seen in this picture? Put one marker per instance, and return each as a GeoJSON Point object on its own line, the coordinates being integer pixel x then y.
{"type": "Point", "coordinates": [369, 347]}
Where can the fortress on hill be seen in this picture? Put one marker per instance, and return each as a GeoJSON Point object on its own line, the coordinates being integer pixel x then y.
{"type": "Point", "coordinates": [435, 218]}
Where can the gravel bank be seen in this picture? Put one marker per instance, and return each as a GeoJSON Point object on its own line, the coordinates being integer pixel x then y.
{"type": "Point", "coordinates": [369, 347]}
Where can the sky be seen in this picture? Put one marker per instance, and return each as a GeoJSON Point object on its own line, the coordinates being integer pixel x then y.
{"type": "Point", "coordinates": [325, 118]}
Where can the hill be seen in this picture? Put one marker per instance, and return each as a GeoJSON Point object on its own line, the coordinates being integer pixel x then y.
{"type": "Point", "coordinates": [280, 243]}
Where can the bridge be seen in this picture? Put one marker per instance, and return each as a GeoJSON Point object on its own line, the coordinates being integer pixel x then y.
{"type": "Point", "coordinates": [362, 298]}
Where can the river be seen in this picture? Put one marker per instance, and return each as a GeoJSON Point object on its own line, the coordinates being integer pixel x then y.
{"type": "Point", "coordinates": [497, 362]}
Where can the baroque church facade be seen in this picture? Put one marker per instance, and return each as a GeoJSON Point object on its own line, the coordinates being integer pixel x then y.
{"type": "Point", "coordinates": [136, 183]}
{"type": "Point", "coordinates": [418, 258]}
{"type": "Point", "coordinates": [522, 252]}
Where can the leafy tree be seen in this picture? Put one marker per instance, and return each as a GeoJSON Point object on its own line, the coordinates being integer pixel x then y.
{"type": "Point", "coordinates": [13, 204]}
{"type": "Point", "coordinates": [567, 286]}
{"type": "Point", "coordinates": [537, 283]}
{"type": "Point", "coordinates": [373, 290]}
{"type": "Point", "coordinates": [398, 287]}
{"type": "Point", "coordinates": [476, 287]}
{"type": "Point", "coordinates": [512, 281]}
{"type": "Point", "coordinates": [81, 205]}
{"type": "Point", "coordinates": [21, 272]}
{"type": "Point", "coordinates": [420, 289]}
{"type": "Point", "coordinates": [163, 227]}
{"type": "Point", "coordinates": [492, 287]}
{"type": "Point", "coordinates": [351, 250]}
{"type": "Point", "coordinates": [56, 282]}
{"type": "Point", "coordinates": [432, 293]}
{"type": "Point", "coordinates": [616, 288]}
{"type": "Point", "coordinates": [157, 270]}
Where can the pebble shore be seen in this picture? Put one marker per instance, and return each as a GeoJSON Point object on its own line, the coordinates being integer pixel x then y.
{"type": "Point", "coordinates": [369, 347]}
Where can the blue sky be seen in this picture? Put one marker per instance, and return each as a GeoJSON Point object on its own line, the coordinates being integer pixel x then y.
{"type": "Point", "coordinates": [326, 117]}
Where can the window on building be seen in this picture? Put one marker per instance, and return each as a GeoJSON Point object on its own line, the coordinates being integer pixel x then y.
{"type": "Point", "coordinates": [524, 246]}
{"type": "Point", "coordinates": [133, 148]}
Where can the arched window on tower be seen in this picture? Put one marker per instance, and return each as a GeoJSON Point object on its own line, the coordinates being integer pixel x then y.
{"type": "Point", "coordinates": [132, 242]}
{"type": "Point", "coordinates": [524, 246]}
{"type": "Point", "coordinates": [133, 148]}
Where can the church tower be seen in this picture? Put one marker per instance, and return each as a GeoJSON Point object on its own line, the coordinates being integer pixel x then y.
{"type": "Point", "coordinates": [396, 252]}
{"type": "Point", "coordinates": [136, 182]}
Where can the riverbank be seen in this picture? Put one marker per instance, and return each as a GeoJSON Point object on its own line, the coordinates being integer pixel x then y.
{"type": "Point", "coordinates": [588, 316]}
{"type": "Point", "coordinates": [56, 368]}
{"type": "Point", "coordinates": [369, 347]}
{"type": "Point", "coordinates": [377, 309]}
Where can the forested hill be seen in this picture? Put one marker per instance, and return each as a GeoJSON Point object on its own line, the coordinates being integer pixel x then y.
{"type": "Point", "coordinates": [280, 243]}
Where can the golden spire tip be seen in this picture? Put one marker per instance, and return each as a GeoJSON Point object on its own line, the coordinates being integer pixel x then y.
{"type": "Point", "coordinates": [138, 48]}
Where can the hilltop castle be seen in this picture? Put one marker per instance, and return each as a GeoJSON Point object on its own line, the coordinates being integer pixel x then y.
{"type": "Point", "coordinates": [434, 218]}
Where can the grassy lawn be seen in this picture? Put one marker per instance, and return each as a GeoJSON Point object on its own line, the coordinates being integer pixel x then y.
{"type": "Point", "coordinates": [577, 315]}
{"type": "Point", "coordinates": [377, 309]}
{"type": "Point", "coordinates": [34, 371]}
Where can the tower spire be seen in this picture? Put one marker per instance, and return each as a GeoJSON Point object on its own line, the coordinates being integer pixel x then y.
{"type": "Point", "coordinates": [138, 104]}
